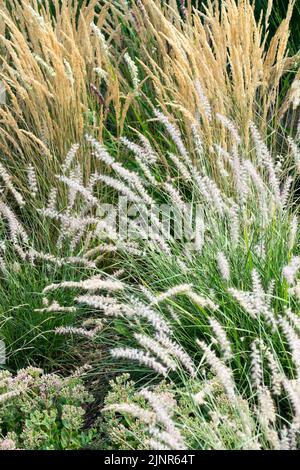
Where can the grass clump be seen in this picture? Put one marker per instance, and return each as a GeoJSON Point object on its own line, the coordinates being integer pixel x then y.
{"type": "Point", "coordinates": [220, 53]}
{"type": "Point", "coordinates": [60, 78]}
{"type": "Point", "coordinates": [220, 305]}
{"type": "Point", "coordinates": [165, 246]}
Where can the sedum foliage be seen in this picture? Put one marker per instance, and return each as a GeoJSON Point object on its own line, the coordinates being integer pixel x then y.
{"type": "Point", "coordinates": [42, 411]}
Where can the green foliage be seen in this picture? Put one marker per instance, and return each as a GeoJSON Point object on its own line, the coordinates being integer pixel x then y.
{"type": "Point", "coordinates": [28, 334]}
{"type": "Point", "coordinates": [43, 411]}
{"type": "Point", "coordinates": [121, 432]}
{"type": "Point", "coordinates": [212, 424]}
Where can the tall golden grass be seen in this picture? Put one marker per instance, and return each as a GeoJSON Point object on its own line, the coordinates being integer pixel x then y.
{"type": "Point", "coordinates": [224, 48]}
{"type": "Point", "coordinates": [63, 75]}
{"type": "Point", "coordinates": [48, 66]}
